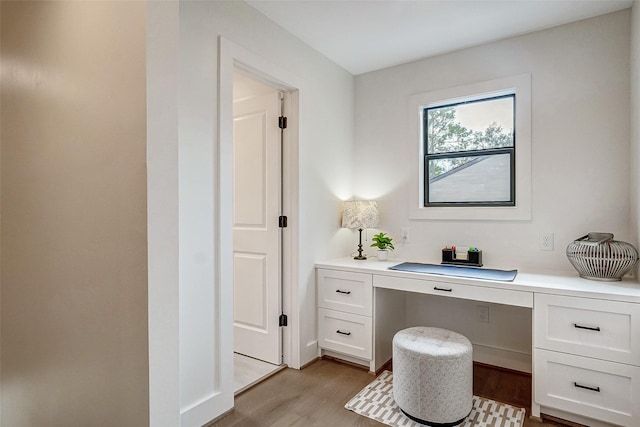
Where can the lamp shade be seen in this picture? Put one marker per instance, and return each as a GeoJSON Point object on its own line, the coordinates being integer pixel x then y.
{"type": "Point", "coordinates": [360, 214]}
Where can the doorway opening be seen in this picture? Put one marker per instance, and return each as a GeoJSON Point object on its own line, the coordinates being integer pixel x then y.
{"type": "Point", "coordinates": [234, 58]}
{"type": "Point", "coordinates": [258, 244]}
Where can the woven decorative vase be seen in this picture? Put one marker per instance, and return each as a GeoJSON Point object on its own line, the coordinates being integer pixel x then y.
{"type": "Point", "coordinates": [597, 256]}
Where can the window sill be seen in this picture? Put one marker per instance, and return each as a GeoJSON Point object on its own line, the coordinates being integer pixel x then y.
{"type": "Point", "coordinates": [478, 213]}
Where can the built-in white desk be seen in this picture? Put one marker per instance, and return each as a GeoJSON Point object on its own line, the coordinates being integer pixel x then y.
{"type": "Point", "coordinates": [586, 334]}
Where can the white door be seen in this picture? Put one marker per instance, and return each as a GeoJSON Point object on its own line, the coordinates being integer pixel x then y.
{"type": "Point", "coordinates": [256, 233]}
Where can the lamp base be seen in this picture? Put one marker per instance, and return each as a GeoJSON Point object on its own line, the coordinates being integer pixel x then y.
{"type": "Point", "coordinates": [360, 256]}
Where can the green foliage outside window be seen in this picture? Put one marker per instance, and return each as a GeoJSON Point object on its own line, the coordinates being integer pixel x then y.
{"type": "Point", "coordinates": [445, 134]}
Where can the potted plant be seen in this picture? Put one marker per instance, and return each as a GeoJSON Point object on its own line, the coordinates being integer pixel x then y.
{"type": "Point", "coordinates": [384, 245]}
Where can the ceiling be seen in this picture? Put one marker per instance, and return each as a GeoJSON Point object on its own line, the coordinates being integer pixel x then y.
{"type": "Point", "coordinates": [367, 35]}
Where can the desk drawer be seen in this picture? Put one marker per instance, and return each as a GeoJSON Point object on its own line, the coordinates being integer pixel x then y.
{"type": "Point", "coordinates": [603, 329]}
{"type": "Point", "coordinates": [593, 388]}
{"type": "Point", "coordinates": [455, 290]}
{"type": "Point", "coordinates": [345, 291]}
{"type": "Point", "coordinates": [345, 333]}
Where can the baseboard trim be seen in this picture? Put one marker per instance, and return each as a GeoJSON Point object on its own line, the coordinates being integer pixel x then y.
{"type": "Point", "coordinates": [200, 413]}
{"type": "Point", "coordinates": [343, 358]}
{"type": "Point", "coordinates": [501, 368]}
{"type": "Point", "coordinates": [508, 359]}
{"type": "Point", "coordinates": [570, 420]}
{"type": "Point", "coordinates": [219, 417]}
{"type": "Point", "coordinates": [314, 360]}
{"type": "Point", "coordinates": [493, 356]}
{"type": "Point", "coordinates": [558, 421]}
{"type": "Point", "coordinates": [387, 366]}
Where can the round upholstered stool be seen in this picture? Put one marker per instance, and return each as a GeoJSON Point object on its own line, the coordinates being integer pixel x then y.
{"type": "Point", "coordinates": [433, 375]}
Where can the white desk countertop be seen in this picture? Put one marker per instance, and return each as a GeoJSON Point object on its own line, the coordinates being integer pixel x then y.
{"type": "Point", "coordinates": [558, 283]}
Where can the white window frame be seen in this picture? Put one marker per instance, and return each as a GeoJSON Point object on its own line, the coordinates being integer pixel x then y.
{"type": "Point", "coordinates": [521, 86]}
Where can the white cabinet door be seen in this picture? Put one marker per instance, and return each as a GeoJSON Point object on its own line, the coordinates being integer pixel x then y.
{"type": "Point", "coordinates": [345, 333]}
{"type": "Point", "coordinates": [608, 330]}
{"type": "Point", "coordinates": [345, 291]}
{"type": "Point", "coordinates": [593, 388]}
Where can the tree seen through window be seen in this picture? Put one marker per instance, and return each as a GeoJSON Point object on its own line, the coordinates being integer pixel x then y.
{"type": "Point", "coordinates": [463, 134]}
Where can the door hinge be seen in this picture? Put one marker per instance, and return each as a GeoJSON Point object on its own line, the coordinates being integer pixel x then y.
{"type": "Point", "coordinates": [282, 122]}
{"type": "Point", "coordinates": [282, 221]}
{"type": "Point", "coordinates": [282, 321]}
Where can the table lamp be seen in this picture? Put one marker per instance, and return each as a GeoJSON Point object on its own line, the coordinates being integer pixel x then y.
{"type": "Point", "coordinates": [359, 214]}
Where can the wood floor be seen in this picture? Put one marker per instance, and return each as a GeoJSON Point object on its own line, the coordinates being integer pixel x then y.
{"type": "Point", "coordinates": [315, 396]}
{"type": "Point", "coordinates": [502, 385]}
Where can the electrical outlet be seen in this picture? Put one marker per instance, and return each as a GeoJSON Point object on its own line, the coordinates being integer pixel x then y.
{"type": "Point", "coordinates": [405, 234]}
{"type": "Point", "coordinates": [482, 312]}
{"type": "Point", "coordinates": [546, 241]}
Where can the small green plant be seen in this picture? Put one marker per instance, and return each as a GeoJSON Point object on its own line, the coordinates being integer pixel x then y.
{"type": "Point", "coordinates": [382, 242]}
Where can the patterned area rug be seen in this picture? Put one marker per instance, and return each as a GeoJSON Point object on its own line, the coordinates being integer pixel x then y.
{"type": "Point", "coordinates": [375, 401]}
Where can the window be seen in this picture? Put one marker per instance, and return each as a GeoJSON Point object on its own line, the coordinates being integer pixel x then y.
{"type": "Point", "coordinates": [473, 146]}
{"type": "Point", "coordinates": [469, 151]}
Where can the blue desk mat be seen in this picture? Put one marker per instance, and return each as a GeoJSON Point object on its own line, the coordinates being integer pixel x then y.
{"type": "Point", "coordinates": [458, 271]}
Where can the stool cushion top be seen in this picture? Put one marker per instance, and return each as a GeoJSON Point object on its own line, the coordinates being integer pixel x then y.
{"type": "Point", "coordinates": [432, 342]}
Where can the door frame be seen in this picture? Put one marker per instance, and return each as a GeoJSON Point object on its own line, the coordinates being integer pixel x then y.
{"type": "Point", "coordinates": [231, 57]}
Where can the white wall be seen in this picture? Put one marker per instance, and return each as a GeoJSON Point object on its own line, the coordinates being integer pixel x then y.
{"type": "Point", "coordinates": [505, 340]}
{"type": "Point", "coordinates": [580, 141]}
{"type": "Point", "coordinates": [580, 161]}
{"type": "Point", "coordinates": [325, 147]}
{"type": "Point", "coordinates": [0, 223]}
{"type": "Point", "coordinates": [635, 120]}
{"type": "Point", "coordinates": [162, 212]}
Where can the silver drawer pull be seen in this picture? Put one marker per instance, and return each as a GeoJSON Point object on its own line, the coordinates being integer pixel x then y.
{"type": "Point", "coordinates": [591, 328]}
{"type": "Point", "coordinates": [435, 288]}
{"type": "Point", "coordinates": [343, 333]}
{"type": "Point", "coordinates": [343, 292]}
{"type": "Point", "coordinates": [586, 387]}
